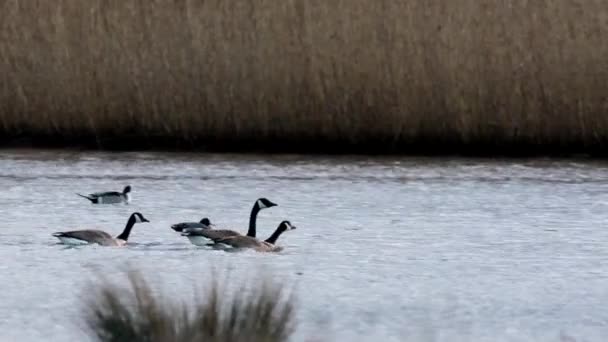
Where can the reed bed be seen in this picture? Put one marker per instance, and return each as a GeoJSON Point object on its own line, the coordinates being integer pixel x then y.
{"type": "Point", "coordinates": [383, 76]}
{"type": "Point", "coordinates": [260, 312]}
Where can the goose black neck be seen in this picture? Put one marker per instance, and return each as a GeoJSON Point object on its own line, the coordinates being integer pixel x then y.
{"type": "Point", "coordinates": [252, 218]}
{"type": "Point", "coordinates": [125, 233]}
{"type": "Point", "coordinates": [273, 238]}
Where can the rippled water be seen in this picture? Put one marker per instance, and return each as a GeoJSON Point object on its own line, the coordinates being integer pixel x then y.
{"type": "Point", "coordinates": [398, 249]}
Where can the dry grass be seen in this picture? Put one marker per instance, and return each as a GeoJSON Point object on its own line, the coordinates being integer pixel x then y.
{"type": "Point", "coordinates": [259, 313]}
{"type": "Point", "coordinates": [345, 75]}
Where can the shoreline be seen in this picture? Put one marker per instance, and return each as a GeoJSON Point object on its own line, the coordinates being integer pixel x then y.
{"type": "Point", "coordinates": [454, 150]}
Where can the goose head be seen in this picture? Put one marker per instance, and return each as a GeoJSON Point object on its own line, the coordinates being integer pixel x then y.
{"type": "Point", "coordinates": [138, 218]}
{"type": "Point", "coordinates": [283, 226]}
{"type": "Point", "coordinates": [286, 225]}
{"type": "Point", "coordinates": [133, 219]}
{"type": "Point", "coordinates": [126, 190]}
{"type": "Point", "coordinates": [205, 221]}
{"type": "Point", "coordinates": [264, 203]}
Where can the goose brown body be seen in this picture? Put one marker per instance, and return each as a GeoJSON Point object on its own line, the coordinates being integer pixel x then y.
{"type": "Point", "coordinates": [202, 236]}
{"type": "Point", "coordinates": [269, 245]}
{"type": "Point", "coordinates": [94, 236]}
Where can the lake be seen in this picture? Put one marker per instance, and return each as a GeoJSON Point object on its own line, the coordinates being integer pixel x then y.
{"type": "Point", "coordinates": [390, 248]}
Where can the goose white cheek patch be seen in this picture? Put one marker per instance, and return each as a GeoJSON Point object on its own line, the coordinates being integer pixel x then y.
{"type": "Point", "coordinates": [260, 204]}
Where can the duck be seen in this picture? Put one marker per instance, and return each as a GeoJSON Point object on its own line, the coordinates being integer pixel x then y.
{"type": "Point", "coordinates": [204, 223]}
{"type": "Point", "coordinates": [201, 237]}
{"type": "Point", "coordinates": [109, 197]}
{"type": "Point", "coordinates": [268, 245]}
{"type": "Point", "coordinates": [92, 236]}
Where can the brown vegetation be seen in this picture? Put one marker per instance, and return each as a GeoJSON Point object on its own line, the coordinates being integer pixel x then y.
{"type": "Point", "coordinates": [258, 313]}
{"type": "Point", "coordinates": [306, 75]}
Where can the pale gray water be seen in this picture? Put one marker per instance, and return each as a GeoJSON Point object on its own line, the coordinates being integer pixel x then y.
{"type": "Point", "coordinates": [397, 249]}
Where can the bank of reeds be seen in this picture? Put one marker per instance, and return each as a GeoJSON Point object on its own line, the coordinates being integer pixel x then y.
{"type": "Point", "coordinates": [306, 75]}
{"type": "Point", "coordinates": [258, 313]}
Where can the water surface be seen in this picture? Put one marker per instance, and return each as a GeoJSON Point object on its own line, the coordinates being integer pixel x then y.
{"type": "Point", "coordinates": [398, 249]}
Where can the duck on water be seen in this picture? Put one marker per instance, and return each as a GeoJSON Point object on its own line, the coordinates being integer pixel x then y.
{"type": "Point", "coordinates": [204, 223]}
{"type": "Point", "coordinates": [109, 197]}
{"type": "Point", "coordinates": [268, 245]}
{"type": "Point", "coordinates": [201, 237]}
{"type": "Point", "coordinates": [92, 236]}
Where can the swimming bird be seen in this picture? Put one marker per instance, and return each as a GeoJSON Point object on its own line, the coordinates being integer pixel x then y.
{"type": "Point", "coordinates": [84, 237]}
{"type": "Point", "coordinates": [268, 245]}
{"type": "Point", "coordinates": [205, 223]}
{"type": "Point", "coordinates": [201, 237]}
{"type": "Point", "coordinates": [109, 197]}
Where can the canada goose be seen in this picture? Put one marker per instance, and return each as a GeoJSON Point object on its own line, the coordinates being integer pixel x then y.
{"type": "Point", "coordinates": [83, 237]}
{"type": "Point", "coordinates": [205, 223]}
{"type": "Point", "coordinates": [109, 197]}
{"type": "Point", "coordinates": [261, 246]}
{"type": "Point", "coordinates": [201, 237]}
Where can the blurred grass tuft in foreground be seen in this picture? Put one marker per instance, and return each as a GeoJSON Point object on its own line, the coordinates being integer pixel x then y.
{"type": "Point", "coordinates": [261, 312]}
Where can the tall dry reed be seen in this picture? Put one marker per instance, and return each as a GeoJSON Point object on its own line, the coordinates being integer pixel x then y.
{"type": "Point", "coordinates": [258, 313]}
{"type": "Point", "coordinates": [350, 75]}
